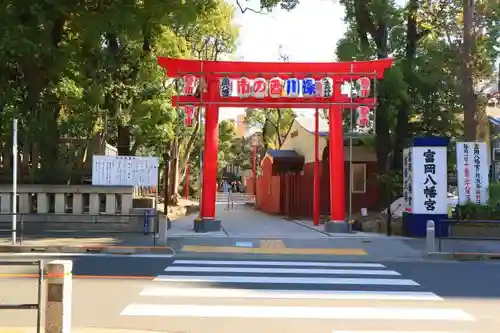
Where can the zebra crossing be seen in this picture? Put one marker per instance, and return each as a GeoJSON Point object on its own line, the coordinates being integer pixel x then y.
{"type": "Point", "coordinates": [317, 290]}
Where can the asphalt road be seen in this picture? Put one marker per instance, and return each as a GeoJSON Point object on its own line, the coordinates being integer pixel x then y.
{"type": "Point", "coordinates": [193, 296]}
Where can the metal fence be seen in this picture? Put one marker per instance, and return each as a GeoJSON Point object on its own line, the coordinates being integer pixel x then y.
{"type": "Point", "coordinates": [35, 306]}
{"type": "Point", "coordinates": [83, 225]}
{"type": "Point", "coordinates": [450, 226]}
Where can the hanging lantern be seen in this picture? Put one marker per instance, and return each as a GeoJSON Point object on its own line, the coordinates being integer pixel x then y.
{"type": "Point", "coordinates": [225, 87]}
{"type": "Point", "coordinates": [189, 114]}
{"type": "Point", "coordinates": [363, 85]}
{"type": "Point", "coordinates": [363, 114]}
{"type": "Point", "coordinates": [275, 87]}
{"type": "Point", "coordinates": [259, 87]}
{"type": "Point", "coordinates": [244, 87]}
{"type": "Point", "coordinates": [190, 85]}
{"type": "Point", "coordinates": [308, 87]}
{"type": "Point", "coordinates": [326, 87]}
{"type": "Point", "coordinates": [292, 87]}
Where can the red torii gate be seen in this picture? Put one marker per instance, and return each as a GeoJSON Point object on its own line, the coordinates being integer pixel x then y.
{"type": "Point", "coordinates": [261, 85]}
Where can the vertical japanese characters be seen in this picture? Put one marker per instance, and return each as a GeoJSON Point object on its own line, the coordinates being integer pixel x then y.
{"type": "Point", "coordinates": [407, 179]}
{"type": "Point", "coordinates": [477, 167]}
{"type": "Point", "coordinates": [472, 173]}
{"type": "Point", "coordinates": [430, 182]}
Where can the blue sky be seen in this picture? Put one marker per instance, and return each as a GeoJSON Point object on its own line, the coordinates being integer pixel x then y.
{"type": "Point", "coordinates": [262, 34]}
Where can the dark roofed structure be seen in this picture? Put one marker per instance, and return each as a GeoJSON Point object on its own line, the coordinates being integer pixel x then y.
{"type": "Point", "coordinates": [285, 161]}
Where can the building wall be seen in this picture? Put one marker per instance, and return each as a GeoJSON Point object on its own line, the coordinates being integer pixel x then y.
{"type": "Point", "coordinates": [268, 189]}
{"type": "Point", "coordinates": [302, 142]}
{"type": "Point", "coordinates": [292, 194]}
{"type": "Point", "coordinates": [240, 125]}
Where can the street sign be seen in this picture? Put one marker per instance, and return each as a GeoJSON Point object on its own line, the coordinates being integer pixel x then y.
{"type": "Point", "coordinates": [125, 171]}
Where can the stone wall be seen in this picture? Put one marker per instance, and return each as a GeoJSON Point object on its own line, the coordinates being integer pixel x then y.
{"type": "Point", "coordinates": [62, 207]}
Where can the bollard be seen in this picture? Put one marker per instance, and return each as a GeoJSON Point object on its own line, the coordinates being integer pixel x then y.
{"type": "Point", "coordinates": [163, 230]}
{"type": "Point", "coordinates": [59, 296]}
{"type": "Point", "coordinates": [431, 236]}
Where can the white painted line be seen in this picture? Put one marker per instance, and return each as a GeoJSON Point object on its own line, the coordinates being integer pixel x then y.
{"type": "Point", "coordinates": [215, 269]}
{"type": "Point", "coordinates": [279, 263]}
{"type": "Point", "coordinates": [290, 280]}
{"type": "Point", "coordinates": [78, 254]}
{"type": "Point", "coordinates": [292, 312]}
{"type": "Point", "coordinates": [244, 244]}
{"type": "Point", "coordinates": [290, 294]}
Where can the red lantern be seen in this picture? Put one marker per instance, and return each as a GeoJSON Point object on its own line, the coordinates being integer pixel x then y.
{"type": "Point", "coordinates": [188, 118]}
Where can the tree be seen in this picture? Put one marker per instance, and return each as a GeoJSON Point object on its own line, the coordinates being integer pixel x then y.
{"type": "Point", "coordinates": [423, 93]}
{"type": "Point", "coordinates": [275, 124]}
{"type": "Point", "coordinates": [267, 5]}
{"type": "Point", "coordinates": [72, 71]}
{"type": "Point", "coordinates": [213, 35]}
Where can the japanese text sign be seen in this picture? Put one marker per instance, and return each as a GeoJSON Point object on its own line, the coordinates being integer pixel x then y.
{"type": "Point", "coordinates": [407, 179]}
{"type": "Point", "coordinates": [429, 180]}
{"type": "Point", "coordinates": [472, 172]}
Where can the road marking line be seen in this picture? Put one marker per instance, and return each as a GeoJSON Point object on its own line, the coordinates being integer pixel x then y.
{"type": "Point", "coordinates": [218, 269]}
{"type": "Point", "coordinates": [290, 294]}
{"type": "Point", "coordinates": [291, 312]}
{"type": "Point", "coordinates": [279, 263]}
{"type": "Point", "coordinates": [259, 250]}
{"type": "Point", "coordinates": [76, 276]}
{"type": "Point", "coordinates": [288, 280]}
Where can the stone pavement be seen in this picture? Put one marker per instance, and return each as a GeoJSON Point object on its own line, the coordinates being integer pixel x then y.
{"type": "Point", "coordinates": [245, 222]}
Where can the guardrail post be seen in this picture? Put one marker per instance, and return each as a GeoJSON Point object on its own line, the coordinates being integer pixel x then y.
{"type": "Point", "coordinates": [430, 236]}
{"type": "Point", "coordinates": [59, 296]}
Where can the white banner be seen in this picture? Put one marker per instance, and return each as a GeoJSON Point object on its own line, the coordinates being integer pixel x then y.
{"type": "Point", "coordinates": [472, 172]}
{"type": "Point", "coordinates": [429, 180]}
{"type": "Point", "coordinates": [125, 171]}
{"type": "Point", "coordinates": [407, 179]}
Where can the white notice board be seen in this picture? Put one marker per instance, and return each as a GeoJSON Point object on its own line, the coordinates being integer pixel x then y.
{"type": "Point", "coordinates": [125, 171]}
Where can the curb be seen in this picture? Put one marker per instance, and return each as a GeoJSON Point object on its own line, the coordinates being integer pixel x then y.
{"type": "Point", "coordinates": [464, 256]}
{"type": "Point", "coordinates": [309, 227]}
{"type": "Point", "coordinates": [85, 249]}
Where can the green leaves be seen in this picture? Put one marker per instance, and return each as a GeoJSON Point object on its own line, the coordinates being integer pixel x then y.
{"type": "Point", "coordinates": [78, 69]}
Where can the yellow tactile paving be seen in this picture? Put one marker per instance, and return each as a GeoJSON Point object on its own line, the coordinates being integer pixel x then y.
{"type": "Point", "coordinates": [275, 245]}
{"type": "Point", "coordinates": [273, 250]}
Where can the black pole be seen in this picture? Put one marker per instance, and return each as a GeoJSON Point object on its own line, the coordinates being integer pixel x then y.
{"type": "Point", "coordinates": [165, 180]}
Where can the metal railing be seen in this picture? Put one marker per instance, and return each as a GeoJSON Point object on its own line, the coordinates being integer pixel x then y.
{"type": "Point", "coordinates": [27, 306]}
{"type": "Point", "coordinates": [447, 225]}
{"type": "Point", "coordinates": [85, 225]}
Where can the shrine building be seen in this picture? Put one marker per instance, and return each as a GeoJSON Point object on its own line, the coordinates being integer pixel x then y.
{"type": "Point", "coordinates": [285, 179]}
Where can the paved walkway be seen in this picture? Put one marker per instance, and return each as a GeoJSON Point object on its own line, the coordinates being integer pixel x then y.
{"type": "Point", "coordinates": [245, 222]}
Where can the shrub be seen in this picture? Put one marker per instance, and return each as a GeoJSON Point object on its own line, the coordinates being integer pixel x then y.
{"type": "Point", "coordinates": [491, 211]}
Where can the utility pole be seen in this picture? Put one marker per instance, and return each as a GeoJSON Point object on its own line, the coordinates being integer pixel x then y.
{"type": "Point", "coordinates": [165, 179]}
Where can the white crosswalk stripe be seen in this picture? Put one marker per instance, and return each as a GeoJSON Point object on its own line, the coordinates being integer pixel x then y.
{"type": "Point", "coordinates": [186, 288]}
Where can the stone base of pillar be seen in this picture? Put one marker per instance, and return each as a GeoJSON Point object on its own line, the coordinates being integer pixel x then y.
{"type": "Point", "coordinates": [340, 227]}
{"type": "Point", "coordinates": [207, 225]}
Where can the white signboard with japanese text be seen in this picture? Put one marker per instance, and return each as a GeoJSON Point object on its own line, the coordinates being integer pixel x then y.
{"type": "Point", "coordinates": [429, 180]}
{"type": "Point", "coordinates": [125, 171]}
{"type": "Point", "coordinates": [407, 179]}
{"type": "Point", "coordinates": [472, 172]}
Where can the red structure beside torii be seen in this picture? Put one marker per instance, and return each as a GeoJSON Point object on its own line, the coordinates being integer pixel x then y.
{"type": "Point", "coordinates": [213, 75]}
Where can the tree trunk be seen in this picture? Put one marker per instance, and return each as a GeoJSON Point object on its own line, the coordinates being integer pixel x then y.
{"type": "Point", "coordinates": [406, 105]}
{"type": "Point", "coordinates": [123, 141]}
{"type": "Point", "coordinates": [468, 95]}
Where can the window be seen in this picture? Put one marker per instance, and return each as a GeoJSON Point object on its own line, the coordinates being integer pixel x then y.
{"type": "Point", "coordinates": [358, 178]}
